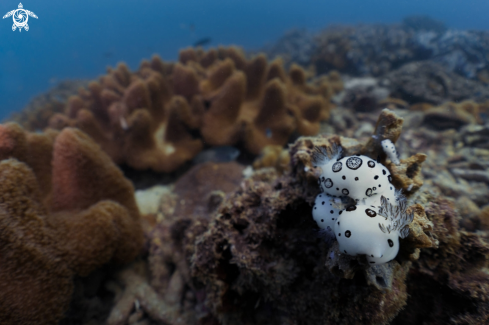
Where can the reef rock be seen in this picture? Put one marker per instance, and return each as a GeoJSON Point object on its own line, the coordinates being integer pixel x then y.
{"type": "Point", "coordinates": [261, 253]}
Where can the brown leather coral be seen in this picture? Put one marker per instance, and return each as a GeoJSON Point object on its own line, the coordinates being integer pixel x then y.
{"type": "Point", "coordinates": [163, 114]}
{"type": "Point", "coordinates": [81, 216]}
{"type": "Point", "coordinates": [256, 103]}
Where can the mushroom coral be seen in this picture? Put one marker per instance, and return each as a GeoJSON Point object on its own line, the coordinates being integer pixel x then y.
{"type": "Point", "coordinates": [66, 210]}
{"type": "Point", "coordinates": [161, 116]}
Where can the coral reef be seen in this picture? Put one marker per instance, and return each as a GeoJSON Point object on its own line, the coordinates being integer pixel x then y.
{"type": "Point", "coordinates": [462, 52]}
{"type": "Point", "coordinates": [273, 156]}
{"type": "Point", "coordinates": [224, 243]}
{"type": "Point", "coordinates": [295, 46]}
{"type": "Point", "coordinates": [377, 49]}
{"type": "Point", "coordinates": [66, 210]}
{"type": "Point", "coordinates": [429, 82]}
{"type": "Point", "coordinates": [242, 250]}
{"type": "Point", "coordinates": [35, 116]}
{"type": "Point", "coordinates": [162, 115]}
{"type": "Point", "coordinates": [363, 94]}
{"type": "Point", "coordinates": [423, 23]}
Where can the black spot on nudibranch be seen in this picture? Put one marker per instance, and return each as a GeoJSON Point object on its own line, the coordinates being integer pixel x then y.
{"type": "Point", "coordinates": [356, 178]}
{"type": "Point", "coordinates": [368, 192]}
{"type": "Point", "coordinates": [351, 208]}
{"type": "Point", "coordinates": [391, 243]}
{"type": "Point", "coordinates": [331, 211]}
{"type": "Point", "coordinates": [345, 191]}
{"type": "Point", "coordinates": [322, 203]}
{"type": "Point", "coordinates": [337, 166]}
{"type": "Point", "coordinates": [341, 212]}
{"type": "Point", "coordinates": [322, 220]}
{"type": "Point", "coordinates": [354, 163]}
{"type": "Point", "coordinates": [328, 183]}
{"type": "Point", "coordinates": [347, 234]}
{"type": "Point", "coordinates": [389, 178]}
{"type": "Point", "coordinates": [371, 163]}
{"type": "Point", "coordinates": [383, 171]}
{"type": "Point", "coordinates": [371, 213]}
{"type": "Point", "coordinates": [376, 177]}
{"type": "Point", "coordinates": [343, 177]}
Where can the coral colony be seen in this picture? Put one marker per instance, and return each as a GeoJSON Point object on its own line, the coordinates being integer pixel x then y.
{"type": "Point", "coordinates": [359, 206]}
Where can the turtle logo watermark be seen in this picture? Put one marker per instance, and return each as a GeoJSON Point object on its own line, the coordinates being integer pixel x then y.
{"type": "Point", "coordinates": [20, 17]}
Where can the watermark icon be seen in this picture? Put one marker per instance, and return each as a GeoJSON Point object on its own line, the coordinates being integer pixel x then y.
{"type": "Point", "coordinates": [20, 17]}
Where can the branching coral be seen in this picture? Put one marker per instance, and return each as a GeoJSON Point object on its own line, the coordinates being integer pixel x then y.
{"type": "Point", "coordinates": [161, 116]}
{"type": "Point", "coordinates": [66, 210]}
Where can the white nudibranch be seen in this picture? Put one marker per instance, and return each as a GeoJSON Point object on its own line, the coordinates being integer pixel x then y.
{"type": "Point", "coordinates": [372, 226]}
{"type": "Point", "coordinates": [358, 177]}
{"type": "Point", "coordinates": [325, 212]}
{"type": "Point", "coordinates": [373, 231]}
{"type": "Point", "coordinates": [390, 151]}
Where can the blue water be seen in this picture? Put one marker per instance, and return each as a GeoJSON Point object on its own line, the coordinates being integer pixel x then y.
{"type": "Point", "coordinates": [79, 39]}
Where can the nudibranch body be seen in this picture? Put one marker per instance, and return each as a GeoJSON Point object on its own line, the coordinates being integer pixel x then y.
{"type": "Point", "coordinates": [358, 177]}
{"type": "Point", "coordinates": [325, 212]}
{"type": "Point", "coordinates": [359, 206]}
{"type": "Point", "coordinates": [373, 231]}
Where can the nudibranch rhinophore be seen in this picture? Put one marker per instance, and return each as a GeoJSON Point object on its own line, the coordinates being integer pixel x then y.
{"type": "Point", "coordinates": [359, 206]}
{"type": "Point", "coordinates": [390, 151]}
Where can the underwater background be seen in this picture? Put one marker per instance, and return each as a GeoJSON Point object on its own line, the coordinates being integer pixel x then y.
{"type": "Point", "coordinates": [244, 162]}
{"type": "Point", "coordinates": [78, 40]}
